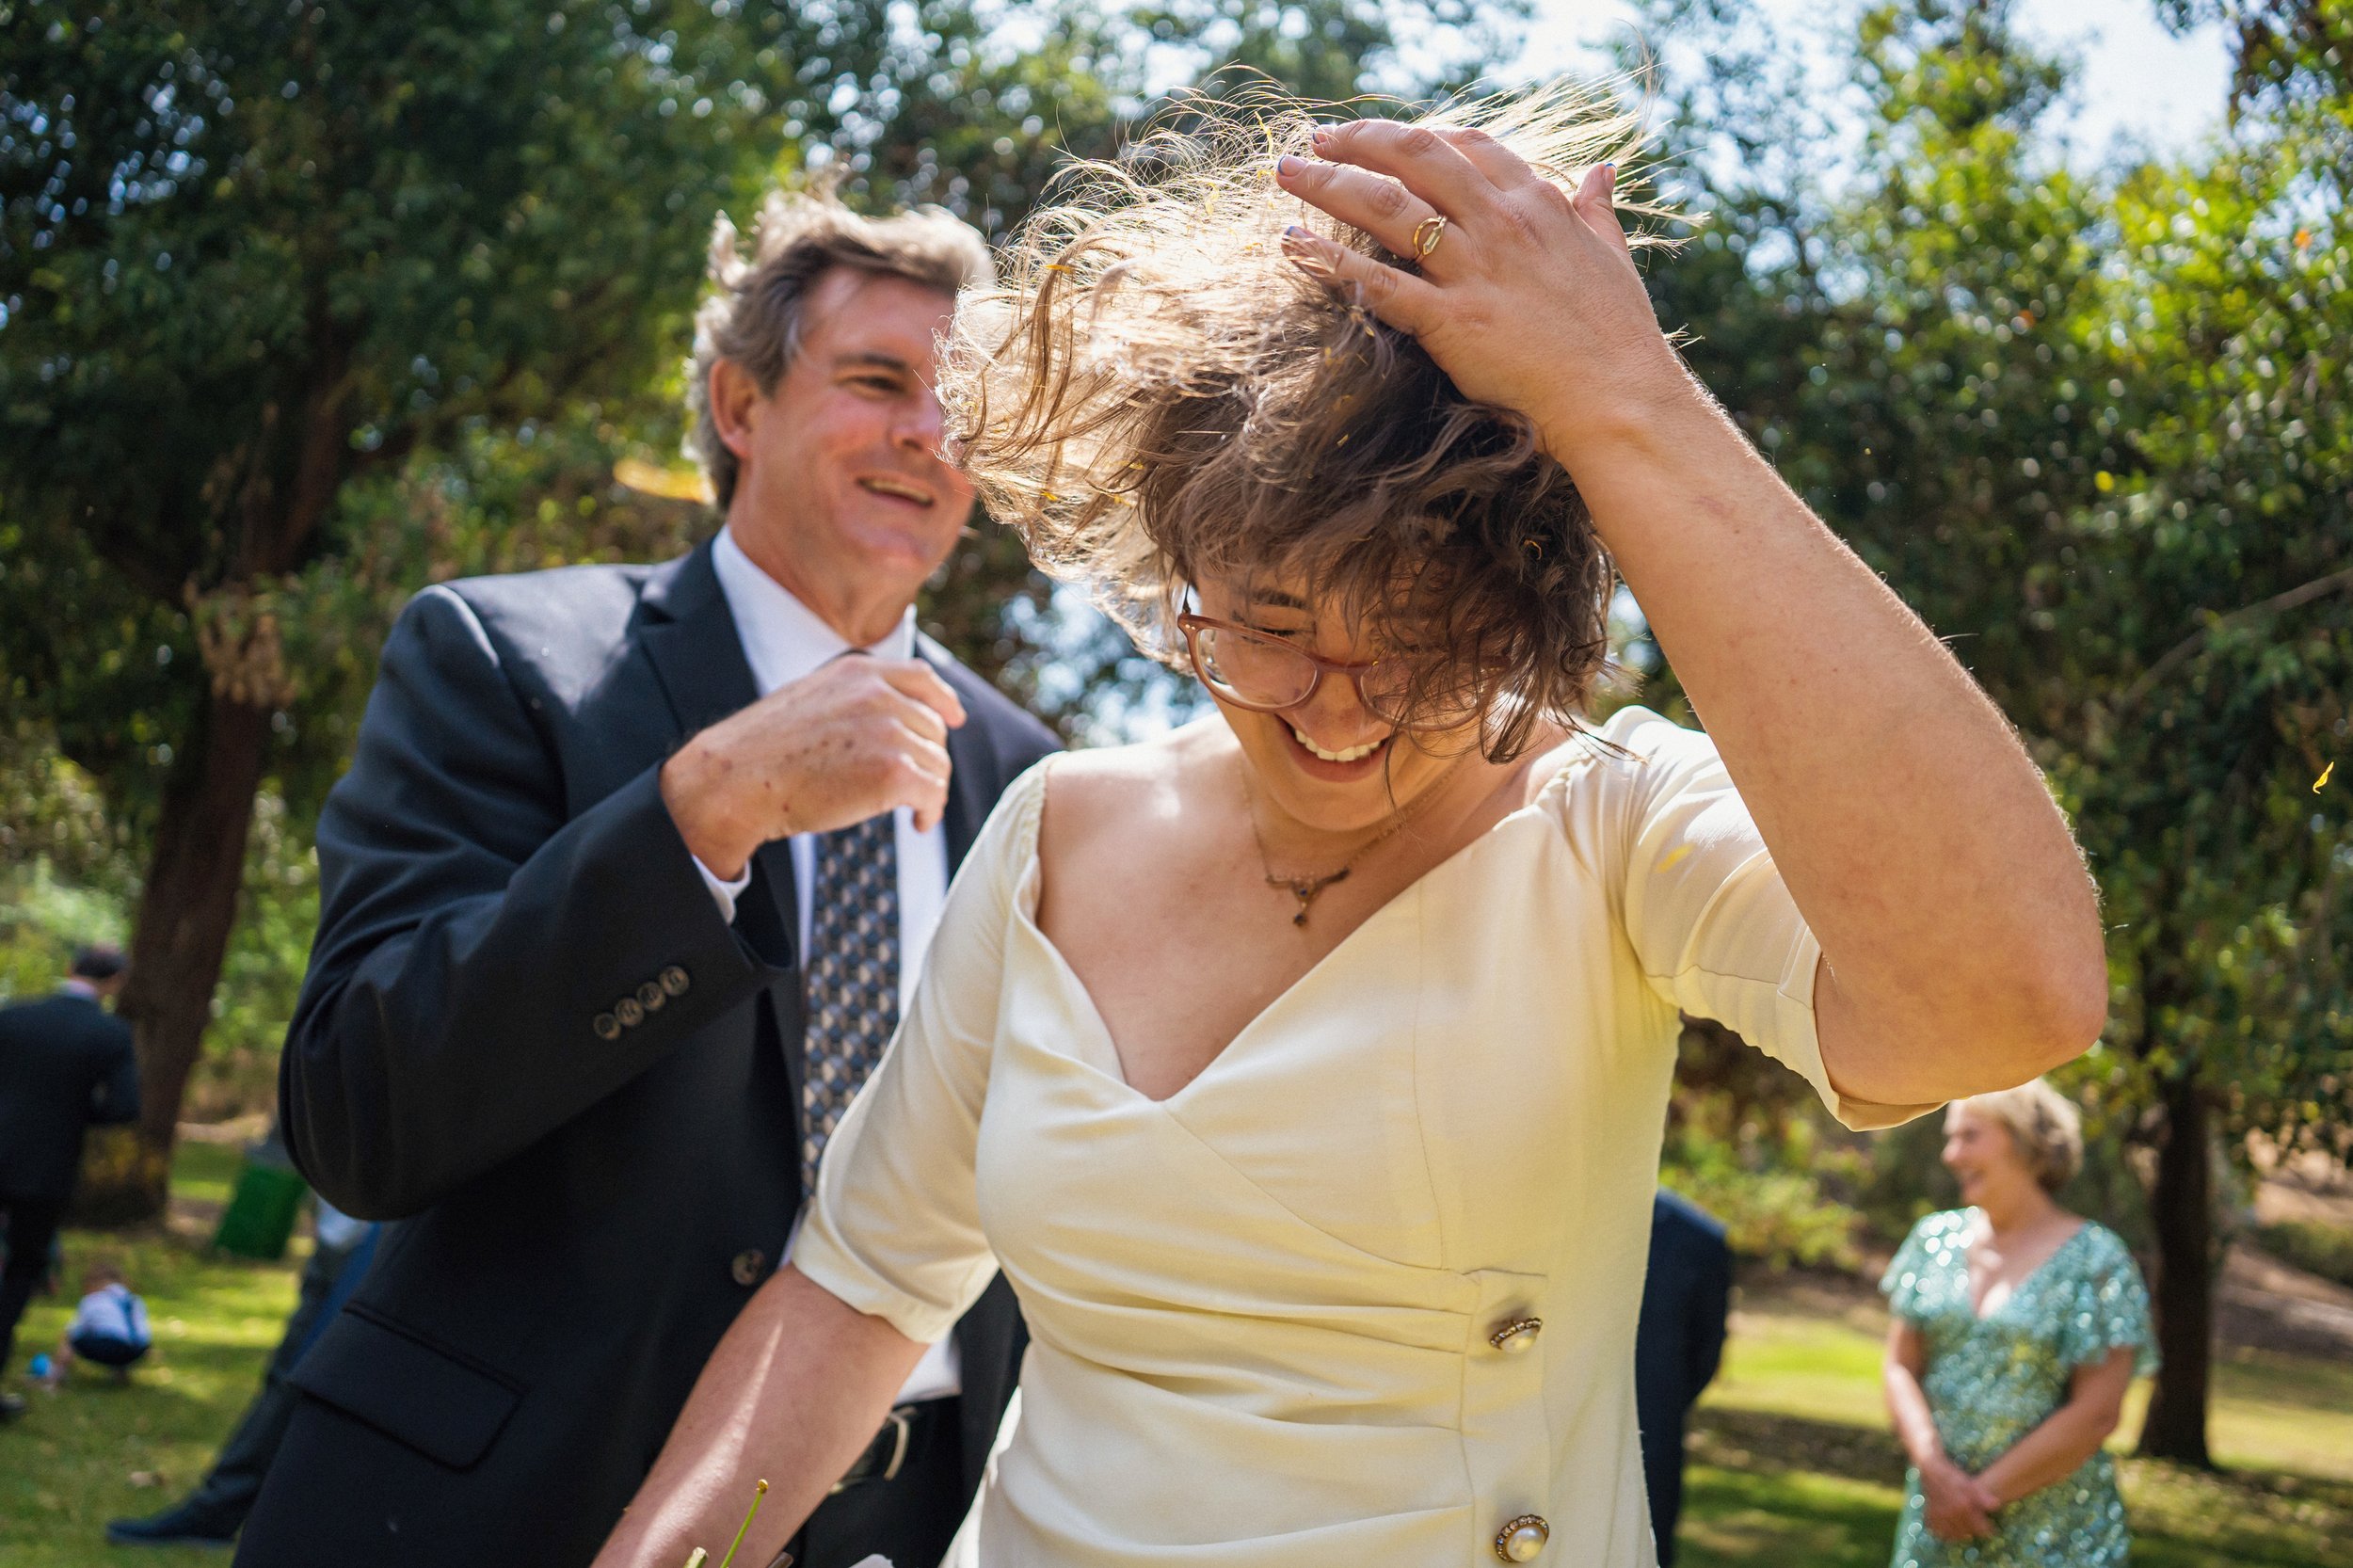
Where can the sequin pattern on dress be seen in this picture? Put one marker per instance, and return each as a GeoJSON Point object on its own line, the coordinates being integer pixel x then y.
{"type": "Point", "coordinates": [1993, 1380]}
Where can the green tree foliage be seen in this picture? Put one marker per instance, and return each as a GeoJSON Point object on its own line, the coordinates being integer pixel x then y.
{"type": "Point", "coordinates": [2096, 429]}
{"type": "Point", "coordinates": [302, 307]}
{"type": "Point", "coordinates": [249, 257]}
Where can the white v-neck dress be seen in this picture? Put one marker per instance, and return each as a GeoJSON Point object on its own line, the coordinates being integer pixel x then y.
{"type": "Point", "coordinates": [1262, 1309]}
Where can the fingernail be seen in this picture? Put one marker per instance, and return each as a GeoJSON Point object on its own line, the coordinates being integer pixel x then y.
{"type": "Point", "coordinates": [1319, 136]}
{"type": "Point", "coordinates": [1610, 169]}
{"type": "Point", "coordinates": [1286, 164]}
{"type": "Point", "coordinates": [1295, 232]}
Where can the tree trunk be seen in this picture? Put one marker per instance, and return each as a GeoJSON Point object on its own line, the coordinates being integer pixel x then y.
{"type": "Point", "coordinates": [2181, 1208]}
{"type": "Point", "coordinates": [186, 911]}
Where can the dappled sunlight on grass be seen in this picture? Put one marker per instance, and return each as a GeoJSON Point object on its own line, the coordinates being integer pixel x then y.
{"type": "Point", "coordinates": [1791, 1447]}
{"type": "Point", "coordinates": [205, 1172]}
{"type": "Point", "coordinates": [1765, 1520]}
{"type": "Point", "coordinates": [94, 1451]}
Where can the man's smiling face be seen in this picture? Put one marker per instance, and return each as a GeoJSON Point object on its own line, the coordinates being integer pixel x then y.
{"type": "Point", "coordinates": [843, 494]}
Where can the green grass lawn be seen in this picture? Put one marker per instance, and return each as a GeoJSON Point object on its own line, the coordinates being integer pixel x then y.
{"type": "Point", "coordinates": [93, 1451]}
{"type": "Point", "coordinates": [1792, 1464]}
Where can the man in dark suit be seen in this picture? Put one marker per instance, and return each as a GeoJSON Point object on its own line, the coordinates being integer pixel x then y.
{"type": "Point", "coordinates": [619, 899]}
{"type": "Point", "coordinates": [66, 1064]}
{"type": "Point", "coordinates": [1686, 1295]}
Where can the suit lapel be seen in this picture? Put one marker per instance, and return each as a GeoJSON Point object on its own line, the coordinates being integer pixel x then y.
{"type": "Point", "coordinates": [972, 781]}
{"type": "Point", "coordinates": [689, 634]}
{"type": "Point", "coordinates": [690, 637]}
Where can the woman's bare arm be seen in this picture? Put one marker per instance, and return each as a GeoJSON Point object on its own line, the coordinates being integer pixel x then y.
{"type": "Point", "coordinates": [2068, 1436]}
{"type": "Point", "coordinates": [1960, 933]}
{"type": "Point", "coordinates": [1907, 1403]}
{"type": "Point", "coordinates": [1957, 1508]}
{"type": "Point", "coordinates": [1961, 948]}
{"type": "Point", "coordinates": [796, 1389]}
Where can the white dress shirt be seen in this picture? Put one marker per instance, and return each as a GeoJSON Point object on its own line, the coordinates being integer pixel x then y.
{"type": "Point", "coordinates": [784, 641]}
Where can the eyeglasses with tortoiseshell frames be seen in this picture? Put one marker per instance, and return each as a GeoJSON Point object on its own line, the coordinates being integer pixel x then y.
{"type": "Point", "coordinates": [1267, 674]}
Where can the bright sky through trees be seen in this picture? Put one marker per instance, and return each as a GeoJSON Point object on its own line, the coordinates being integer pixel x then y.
{"type": "Point", "coordinates": [2137, 80]}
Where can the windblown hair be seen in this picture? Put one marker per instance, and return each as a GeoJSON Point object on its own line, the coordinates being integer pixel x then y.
{"type": "Point", "coordinates": [2044, 1126]}
{"type": "Point", "coordinates": [1156, 393]}
{"type": "Point", "coordinates": [753, 315]}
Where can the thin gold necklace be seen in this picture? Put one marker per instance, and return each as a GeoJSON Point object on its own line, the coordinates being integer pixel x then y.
{"type": "Point", "coordinates": [1308, 888]}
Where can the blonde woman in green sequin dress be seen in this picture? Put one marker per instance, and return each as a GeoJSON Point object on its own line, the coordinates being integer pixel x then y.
{"type": "Point", "coordinates": [2018, 1327]}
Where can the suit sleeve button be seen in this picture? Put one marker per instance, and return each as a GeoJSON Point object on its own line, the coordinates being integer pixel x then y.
{"type": "Point", "coordinates": [607, 1027]}
{"type": "Point", "coordinates": [674, 981]}
{"type": "Point", "coordinates": [748, 1266]}
{"type": "Point", "coordinates": [1522, 1539]}
{"type": "Point", "coordinates": [629, 1012]}
{"type": "Point", "coordinates": [651, 996]}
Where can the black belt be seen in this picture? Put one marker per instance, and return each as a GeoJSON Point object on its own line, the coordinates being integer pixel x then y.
{"type": "Point", "coordinates": [883, 1456]}
{"type": "Point", "coordinates": [887, 1451]}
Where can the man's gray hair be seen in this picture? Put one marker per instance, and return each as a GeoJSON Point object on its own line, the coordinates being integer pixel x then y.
{"type": "Point", "coordinates": [753, 315]}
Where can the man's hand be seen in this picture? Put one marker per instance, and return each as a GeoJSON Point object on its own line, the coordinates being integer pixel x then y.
{"type": "Point", "coordinates": [1960, 1507]}
{"type": "Point", "coordinates": [860, 737]}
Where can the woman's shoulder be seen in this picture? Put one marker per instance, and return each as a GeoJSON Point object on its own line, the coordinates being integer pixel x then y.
{"type": "Point", "coordinates": [1934, 1246]}
{"type": "Point", "coordinates": [1086, 797]}
{"type": "Point", "coordinates": [1945, 1228]}
{"type": "Point", "coordinates": [1633, 751]}
{"type": "Point", "coordinates": [2100, 1249]}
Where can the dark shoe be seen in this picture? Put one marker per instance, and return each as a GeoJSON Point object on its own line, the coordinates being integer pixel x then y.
{"type": "Point", "coordinates": [184, 1525]}
{"type": "Point", "coordinates": [11, 1406]}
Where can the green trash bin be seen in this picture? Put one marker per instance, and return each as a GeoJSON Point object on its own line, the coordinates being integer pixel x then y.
{"type": "Point", "coordinates": [261, 1215]}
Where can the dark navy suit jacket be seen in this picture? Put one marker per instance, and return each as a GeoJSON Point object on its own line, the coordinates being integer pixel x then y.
{"type": "Point", "coordinates": [1685, 1297]}
{"type": "Point", "coordinates": [529, 1038]}
{"type": "Point", "coordinates": [65, 1065]}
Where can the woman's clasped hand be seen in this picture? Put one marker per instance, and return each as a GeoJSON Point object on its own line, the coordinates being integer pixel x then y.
{"type": "Point", "coordinates": [1960, 1507]}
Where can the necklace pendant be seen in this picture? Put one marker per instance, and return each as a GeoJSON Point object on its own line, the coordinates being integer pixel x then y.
{"type": "Point", "coordinates": [1305, 889]}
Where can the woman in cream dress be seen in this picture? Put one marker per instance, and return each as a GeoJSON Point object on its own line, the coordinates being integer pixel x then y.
{"type": "Point", "coordinates": [1306, 1071]}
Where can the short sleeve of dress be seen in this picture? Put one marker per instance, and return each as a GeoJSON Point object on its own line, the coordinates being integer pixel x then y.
{"type": "Point", "coordinates": [1710, 920]}
{"type": "Point", "coordinates": [894, 1229]}
{"type": "Point", "coordinates": [2106, 1307]}
{"type": "Point", "coordinates": [1905, 1280]}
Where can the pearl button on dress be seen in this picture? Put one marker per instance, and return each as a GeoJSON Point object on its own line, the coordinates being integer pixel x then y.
{"type": "Point", "coordinates": [1523, 1540]}
{"type": "Point", "coordinates": [1270, 1312]}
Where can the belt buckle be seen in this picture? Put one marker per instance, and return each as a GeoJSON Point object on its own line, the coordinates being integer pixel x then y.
{"type": "Point", "coordinates": [900, 1429]}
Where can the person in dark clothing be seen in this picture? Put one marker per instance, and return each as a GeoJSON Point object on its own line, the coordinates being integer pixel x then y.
{"type": "Point", "coordinates": [618, 901]}
{"type": "Point", "coordinates": [1687, 1296]}
{"type": "Point", "coordinates": [66, 1064]}
{"type": "Point", "coordinates": [214, 1511]}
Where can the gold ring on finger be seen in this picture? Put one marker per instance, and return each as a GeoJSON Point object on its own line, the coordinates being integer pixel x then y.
{"type": "Point", "coordinates": [1427, 233]}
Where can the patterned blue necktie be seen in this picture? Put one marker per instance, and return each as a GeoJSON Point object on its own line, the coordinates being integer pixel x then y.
{"type": "Point", "coordinates": [851, 975]}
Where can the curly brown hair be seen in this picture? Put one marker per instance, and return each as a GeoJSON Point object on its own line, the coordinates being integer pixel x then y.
{"type": "Point", "coordinates": [1156, 392]}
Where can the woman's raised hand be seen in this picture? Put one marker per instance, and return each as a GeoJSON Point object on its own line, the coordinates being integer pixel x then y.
{"type": "Point", "coordinates": [1528, 296]}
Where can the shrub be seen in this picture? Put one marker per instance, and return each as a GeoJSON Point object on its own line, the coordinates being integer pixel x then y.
{"type": "Point", "coordinates": [2322, 1249]}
